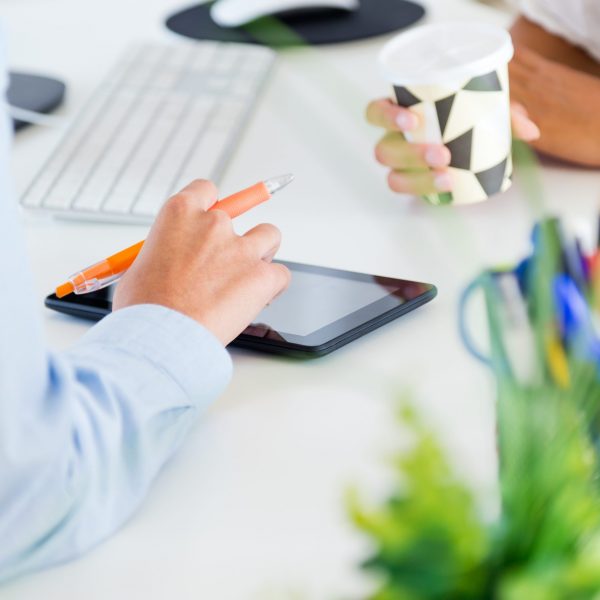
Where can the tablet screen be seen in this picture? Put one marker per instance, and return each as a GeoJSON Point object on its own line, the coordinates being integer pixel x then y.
{"type": "Point", "coordinates": [313, 301]}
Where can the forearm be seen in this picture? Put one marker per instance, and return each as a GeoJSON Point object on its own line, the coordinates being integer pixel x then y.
{"type": "Point", "coordinates": [116, 408]}
{"type": "Point", "coordinates": [561, 98]}
{"type": "Point", "coordinates": [572, 136]}
{"type": "Point", "coordinates": [526, 33]}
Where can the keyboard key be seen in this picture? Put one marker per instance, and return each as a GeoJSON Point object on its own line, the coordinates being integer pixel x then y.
{"type": "Point", "coordinates": [229, 113]}
{"type": "Point", "coordinates": [206, 157]}
{"type": "Point", "coordinates": [202, 60]}
{"type": "Point", "coordinates": [227, 60]}
{"type": "Point", "coordinates": [162, 183]}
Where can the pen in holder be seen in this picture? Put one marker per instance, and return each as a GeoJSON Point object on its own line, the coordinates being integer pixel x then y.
{"type": "Point", "coordinates": [540, 315]}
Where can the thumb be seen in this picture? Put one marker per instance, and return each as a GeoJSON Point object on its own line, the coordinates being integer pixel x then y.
{"type": "Point", "coordinates": [523, 127]}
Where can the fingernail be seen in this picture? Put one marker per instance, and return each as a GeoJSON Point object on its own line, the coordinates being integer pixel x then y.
{"type": "Point", "coordinates": [270, 255]}
{"type": "Point", "coordinates": [437, 156]}
{"type": "Point", "coordinates": [443, 182]}
{"type": "Point", "coordinates": [407, 121]}
{"type": "Point", "coordinates": [524, 128]}
{"type": "Point", "coordinates": [531, 131]}
{"type": "Point", "coordinates": [519, 109]}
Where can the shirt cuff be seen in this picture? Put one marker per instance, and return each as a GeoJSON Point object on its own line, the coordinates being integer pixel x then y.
{"type": "Point", "coordinates": [176, 345]}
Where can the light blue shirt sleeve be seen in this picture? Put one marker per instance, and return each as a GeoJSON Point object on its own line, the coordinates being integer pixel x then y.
{"type": "Point", "coordinates": [84, 433]}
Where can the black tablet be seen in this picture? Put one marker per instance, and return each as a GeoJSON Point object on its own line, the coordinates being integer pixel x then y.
{"type": "Point", "coordinates": [322, 310]}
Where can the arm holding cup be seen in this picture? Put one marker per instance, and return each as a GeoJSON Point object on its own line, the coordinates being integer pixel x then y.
{"type": "Point", "coordinates": [449, 134]}
{"type": "Point", "coordinates": [559, 83]}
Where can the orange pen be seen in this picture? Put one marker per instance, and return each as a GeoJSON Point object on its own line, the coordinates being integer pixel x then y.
{"type": "Point", "coordinates": [111, 269]}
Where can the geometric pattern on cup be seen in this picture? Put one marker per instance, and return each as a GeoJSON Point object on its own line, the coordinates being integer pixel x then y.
{"type": "Point", "coordinates": [405, 97]}
{"type": "Point", "coordinates": [466, 187]}
{"type": "Point", "coordinates": [461, 150]}
{"type": "Point", "coordinates": [493, 179]}
{"type": "Point", "coordinates": [443, 108]}
{"type": "Point", "coordinates": [429, 93]}
{"type": "Point", "coordinates": [473, 109]}
{"type": "Point", "coordinates": [470, 188]}
{"type": "Point", "coordinates": [485, 83]}
{"type": "Point", "coordinates": [473, 121]}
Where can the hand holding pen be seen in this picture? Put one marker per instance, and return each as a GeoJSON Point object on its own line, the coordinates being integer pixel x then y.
{"type": "Point", "coordinates": [194, 263]}
{"type": "Point", "coordinates": [111, 269]}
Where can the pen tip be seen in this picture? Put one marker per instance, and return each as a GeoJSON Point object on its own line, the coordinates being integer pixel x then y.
{"type": "Point", "coordinates": [277, 183]}
{"type": "Point", "coordinates": [64, 290]}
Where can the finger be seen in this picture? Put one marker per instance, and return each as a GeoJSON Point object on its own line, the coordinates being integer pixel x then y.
{"type": "Point", "coordinates": [200, 191]}
{"type": "Point", "coordinates": [385, 113]}
{"type": "Point", "coordinates": [264, 240]}
{"type": "Point", "coordinates": [518, 108]}
{"type": "Point", "coordinates": [523, 127]}
{"type": "Point", "coordinates": [423, 182]}
{"type": "Point", "coordinates": [395, 152]}
{"type": "Point", "coordinates": [282, 278]}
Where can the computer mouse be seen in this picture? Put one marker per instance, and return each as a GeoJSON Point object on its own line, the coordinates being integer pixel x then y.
{"type": "Point", "coordinates": [34, 93]}
{"type": "Point", "coordinates": [235, 13]}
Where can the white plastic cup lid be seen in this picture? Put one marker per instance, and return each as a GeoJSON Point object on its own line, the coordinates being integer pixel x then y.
{"type": "Point", "coordinates": [446, 52]}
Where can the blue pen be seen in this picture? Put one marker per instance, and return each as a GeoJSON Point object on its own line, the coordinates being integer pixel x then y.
{"type": "Point", "coordinates": [575, 319]}
{"type": "Point", "coordinates": [585, 266]}
{"type": "Point", "coordinates": [573, 258]}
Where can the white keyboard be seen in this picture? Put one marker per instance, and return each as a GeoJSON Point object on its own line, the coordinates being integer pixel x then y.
{"type": "Point", "coordinates": [166, 115]}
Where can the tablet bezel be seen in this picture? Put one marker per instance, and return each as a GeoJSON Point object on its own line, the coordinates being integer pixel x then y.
{"type": "Point", "coordinates": [318, 343]}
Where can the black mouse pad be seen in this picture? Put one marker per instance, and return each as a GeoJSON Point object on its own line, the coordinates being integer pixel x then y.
{"type": "Point", "coordinates": [373, 18]}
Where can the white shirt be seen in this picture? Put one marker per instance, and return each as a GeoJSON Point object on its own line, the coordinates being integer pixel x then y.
{"type": "Point", "coordinates": [578, 21]}
{"type": "Point", "coordinates": [83, 433]}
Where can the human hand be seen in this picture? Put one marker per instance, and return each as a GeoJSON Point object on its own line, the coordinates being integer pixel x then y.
{"type": "Point", "coordinates": [422, 168]}
{"type": "Point", "coordinates": [563, 101]}
{"type": "Point", "coordinates": [194, 263]}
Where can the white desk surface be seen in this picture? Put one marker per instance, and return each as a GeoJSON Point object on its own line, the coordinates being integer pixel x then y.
{"type": "Point", "coordinates": [252, 506]}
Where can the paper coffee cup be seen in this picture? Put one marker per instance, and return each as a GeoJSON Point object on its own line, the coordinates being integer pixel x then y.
{"type": "Point", "coordinates": [455, 78]}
